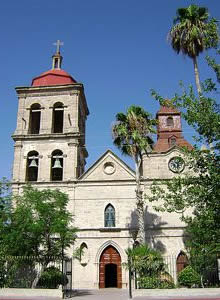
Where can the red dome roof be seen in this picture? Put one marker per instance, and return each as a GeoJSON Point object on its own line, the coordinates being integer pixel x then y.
{"type": "Point", "coordinates": [53, 77]}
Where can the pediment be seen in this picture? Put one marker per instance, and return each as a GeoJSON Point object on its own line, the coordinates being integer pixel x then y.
{"type": "Point", "coordinates": [108, 167]}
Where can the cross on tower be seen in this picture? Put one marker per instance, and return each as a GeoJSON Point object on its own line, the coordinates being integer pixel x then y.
{"type": "Point", "coordinates": [58, 44]}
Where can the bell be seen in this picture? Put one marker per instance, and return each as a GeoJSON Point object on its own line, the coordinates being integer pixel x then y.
{"type": "Point", "coordinates": [57, 164]}
{"type": "Point", "coordinates": [33, 164]}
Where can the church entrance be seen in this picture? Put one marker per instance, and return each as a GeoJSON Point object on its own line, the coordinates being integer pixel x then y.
{"type": "Point", "coordinates": [110, 275]}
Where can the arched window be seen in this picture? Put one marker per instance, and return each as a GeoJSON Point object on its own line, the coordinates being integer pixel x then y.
{"type": "Point", "coordinates": [109, 216]}
{"type": "Point", "coordinates": [57, 165]}
{"type": "Point", "coordinates": [34, 120]}
{"type": "Point", "coordinates": [170, 122]}
{"type": "Point", "coordinates": [181, 262]}
{"type": "Point", "coordinates": [32, 166]}
{"type": "Point", "coordinates": [57, 118]}
{"type": "Point", "coordinates": [84, 254]}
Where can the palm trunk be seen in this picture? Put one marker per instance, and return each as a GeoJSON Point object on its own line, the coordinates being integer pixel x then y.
{"type": "Point", "coordinates": [139, 202]}
{"type": "Point", "coordinates": [196, 70]}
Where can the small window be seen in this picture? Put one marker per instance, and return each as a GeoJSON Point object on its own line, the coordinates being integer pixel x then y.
{"type": "Point", "coordinates": [172, 141]}
{"type": "Point", "coordinates": [109, 216]}
{"type": "Point", "coordinates": [32, 166]}
{"type": "Point", "coordinates": [58, 110]}
{"type": "Point", "coordinates": [170, 122]}
{"type": "Point", "coordinates": [57, 166]}
{"type": "Point", "coordinates": [34, 121]}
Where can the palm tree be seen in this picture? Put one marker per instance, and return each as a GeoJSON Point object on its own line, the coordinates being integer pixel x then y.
{"type": "Point", "coordinates": [131, 134]}
{"type": "Point", "coordinates": [192, 33]}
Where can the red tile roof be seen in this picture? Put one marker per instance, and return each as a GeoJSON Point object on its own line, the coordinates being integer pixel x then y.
{"type": "Point", "coordinates": [53, 77]}
{"type": "Point", "coordinates": [162, 145]}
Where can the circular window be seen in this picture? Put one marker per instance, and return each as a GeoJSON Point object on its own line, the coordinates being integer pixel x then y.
{"type": "Point", "coordinates": [109, 168]}
{"type": "Point", "coordinates": [176, 164]}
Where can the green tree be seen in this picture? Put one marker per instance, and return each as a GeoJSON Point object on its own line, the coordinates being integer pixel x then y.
{"type": "Point", "coordinates": [149, 267]}
{"type": "Point", "coordinates": [5, 208]}
{"type": "Point", "coordinates": [40, 226]}
{"type": "Point", "coordinates": [192, 33]}
{"type": "Point", "coordinates": [131, 134]}
{"type": "Point", "coordinates": [199, 189]}
{"type": "Point", "coordinates": [145, 261]}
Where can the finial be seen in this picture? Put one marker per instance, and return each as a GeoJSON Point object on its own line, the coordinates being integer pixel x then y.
{"type": "Point", "coordinates": [57, 58]}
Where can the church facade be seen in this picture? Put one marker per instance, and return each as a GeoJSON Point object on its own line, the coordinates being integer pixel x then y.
{"type": "Point", "coordinates": [49, 152]}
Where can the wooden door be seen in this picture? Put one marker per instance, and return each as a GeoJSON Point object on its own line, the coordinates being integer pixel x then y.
{"type": "Point", "coordinates": [110, 273]}
{"type": "Point", "coordinates": [181, 262]}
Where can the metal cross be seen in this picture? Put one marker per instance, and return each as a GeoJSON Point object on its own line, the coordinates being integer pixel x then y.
{"type": "Point", "coordinates": [58, 44]}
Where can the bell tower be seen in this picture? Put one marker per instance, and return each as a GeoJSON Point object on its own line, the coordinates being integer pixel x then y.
{"type": "Point", "coordinates": [49, 138]}
{"type": "Point", "coordinates": [169, 130]}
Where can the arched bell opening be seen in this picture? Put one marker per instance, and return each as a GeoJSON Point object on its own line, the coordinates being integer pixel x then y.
{"type": "Point", "coordinates": [57, 165]}
{"type": "Point", "coordinates": [32, 166]}
{"type": "Point", "coordinates": [170, 122]}
{"type": "Point", "coordinates": [58, 110]}
{"type": "Point", "coordinates": [110, 271]}
{"type": "Point", "coordinates": [34, 119]}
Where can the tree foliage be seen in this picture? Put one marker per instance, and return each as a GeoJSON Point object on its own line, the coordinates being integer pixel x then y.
{"type": "Point", "coordinates": [193, 32]}
{"type": "Point", "coordinates": [149, 267]}
{"type": "Point", "coordinates": [145, 261]}
{"type": "Point", "coordinates": [40, 225]}
{"type": "Point", "coordinates": [199, 189]}
{"type": "Point", "coordinates": [132, 135]}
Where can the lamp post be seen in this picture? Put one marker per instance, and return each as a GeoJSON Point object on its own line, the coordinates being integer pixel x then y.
{"type": "Point", "coordinates": [130, 277]}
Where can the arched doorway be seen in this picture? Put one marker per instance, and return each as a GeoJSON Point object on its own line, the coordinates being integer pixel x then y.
{"type": "Point", "coordinates": [181, 262]}
{"type": "Point", "coordinates": [110, 268]}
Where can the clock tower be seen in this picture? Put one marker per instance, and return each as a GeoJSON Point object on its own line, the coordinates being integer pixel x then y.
{"type": "Point", "coordinates": [169, 130]}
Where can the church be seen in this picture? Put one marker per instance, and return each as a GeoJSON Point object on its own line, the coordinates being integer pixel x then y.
{"type": "Point", "coordinates": [50, 152]}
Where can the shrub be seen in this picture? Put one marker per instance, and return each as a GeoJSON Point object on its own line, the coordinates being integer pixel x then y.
{"type": "Point", "coordinates": [155, 283]}
{"type": "Point", "coordinates": [51, 278]}
{"type": "Point", "coordinates": [189, 277]}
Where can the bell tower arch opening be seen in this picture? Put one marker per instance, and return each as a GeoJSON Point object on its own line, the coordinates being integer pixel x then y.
{"type": "Point", "coordinates": [57, 126]}
{"type": "Point", "coordinates": [110, 272]}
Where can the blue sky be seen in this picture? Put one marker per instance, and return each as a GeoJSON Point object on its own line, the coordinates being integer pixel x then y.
{"type": "Point", "coordinates": [117, 48]}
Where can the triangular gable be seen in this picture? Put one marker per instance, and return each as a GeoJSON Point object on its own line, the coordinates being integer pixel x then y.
{"type": "Point", "coordinates": [108, 167]}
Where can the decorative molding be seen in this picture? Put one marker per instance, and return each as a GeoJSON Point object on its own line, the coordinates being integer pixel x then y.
{"type": "Point", "coordinates": [109, 229]}
{"type": "Point", "coordinates": [41, 107]}
{"type": "Point", "coordinates": [45, 94]}
{"type": "Point", "coordinates": [73, 144]}
{"type": "Point", "coordinates": [74, 93]}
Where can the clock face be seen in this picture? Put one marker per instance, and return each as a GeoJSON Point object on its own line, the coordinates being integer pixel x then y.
{"type": "Point", "coordinates": [176, 164]}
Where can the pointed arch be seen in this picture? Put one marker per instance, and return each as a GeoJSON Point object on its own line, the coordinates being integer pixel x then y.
{"type": "Point", "coordinates": [84, 254]}
{"type": "Point", "coordinates": [105, 245]}
{"type": "Point", "coordinates": [109, 216]}
{"type": "Point", "coordinates": [181, 261]}
{"type": "Point", "coordinates": [110, 268]}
